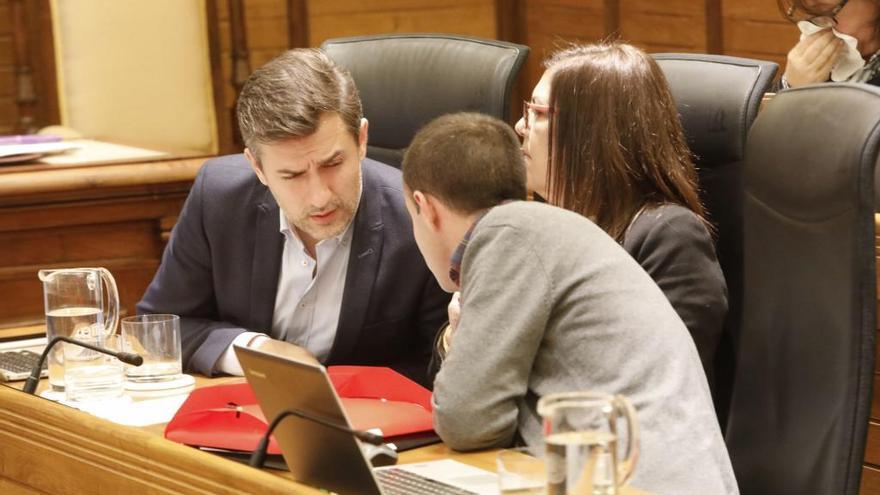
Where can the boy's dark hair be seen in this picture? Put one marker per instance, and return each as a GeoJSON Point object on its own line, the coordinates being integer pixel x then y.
{"type": "Point", "coordinates": [470, 161]}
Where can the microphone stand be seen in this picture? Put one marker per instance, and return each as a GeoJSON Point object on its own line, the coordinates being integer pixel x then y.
{"type": "Point", "coordinates": [259, 455]}
{"type": "Point", "coordinates": [30, 386]}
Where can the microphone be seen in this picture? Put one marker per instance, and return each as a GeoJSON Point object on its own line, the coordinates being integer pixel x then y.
{"type": "Point", "coordinates": [30, 386]}
{"type": "Point", "coordinates": [259, 455]}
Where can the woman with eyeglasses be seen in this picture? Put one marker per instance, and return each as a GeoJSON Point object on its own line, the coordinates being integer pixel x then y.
{"type": "Point", "coordinates": [602, 137]}
{"type": "Point", "coordinates": [840, 41]}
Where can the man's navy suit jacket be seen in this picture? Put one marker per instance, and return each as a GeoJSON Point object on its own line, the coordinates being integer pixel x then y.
{"type": "Point", "coordinates": [220, 272]}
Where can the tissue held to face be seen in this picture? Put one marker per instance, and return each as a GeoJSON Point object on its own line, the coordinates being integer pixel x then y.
{"type": "Point", "coordinates": [817, 53]}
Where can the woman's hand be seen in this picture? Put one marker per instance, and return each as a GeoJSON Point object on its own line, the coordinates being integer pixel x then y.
{"type": "Point", "coordinates": [811, 60]}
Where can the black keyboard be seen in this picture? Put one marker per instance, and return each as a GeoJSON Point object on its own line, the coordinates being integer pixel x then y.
{"type": "Point", "coordinates": [17, 365]}
{"type": "Point", "coordinates": [400, 482]}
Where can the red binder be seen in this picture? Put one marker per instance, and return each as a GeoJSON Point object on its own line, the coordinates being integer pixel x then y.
{"type": "Point", "coordinates": [228, 417]}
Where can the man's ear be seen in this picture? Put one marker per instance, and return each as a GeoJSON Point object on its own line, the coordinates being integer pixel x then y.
{"type": "Point", "coordinates": [428, 208]}
{"type": "Point", "coordinates": [255, 164]}
{"type": "Point", "coordinates": [363, 134]}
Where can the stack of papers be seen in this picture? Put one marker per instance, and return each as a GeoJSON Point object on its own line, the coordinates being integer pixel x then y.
{"type": "Point", "coordinates": [18, 153]}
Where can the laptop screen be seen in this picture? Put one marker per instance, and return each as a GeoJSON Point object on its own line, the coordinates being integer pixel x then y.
{"type": "Point", "coordinates": [316, 455]}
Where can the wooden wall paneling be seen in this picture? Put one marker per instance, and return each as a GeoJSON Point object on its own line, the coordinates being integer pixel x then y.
{"type": "Point", "coordinates": [122, 235]}
{"type": "Point", "coordinates": [240, 62]}
{"type": "Point", "coordinates": [225, 122]}
{"type": "Point", "coordinates": [49, 448]}
{"type": "Point", "coordinates": [8, 108]}
{"type": "Point", "coordinates": [552, 24]}
{"type": "Point", "coordinates": [25, 91]}
{"type": "Point", "coordinates": [32, 51]}
{"type": "Point", "coordinates": [870, 480]}
{"type": "Point", "coordinates": [612, 19]}
{"type": "Point", "coordinates": [669, 26]}
{"type": "Point", "coordinates": [297, 23]}
{"type": "Point", "coordinates": [714, 27]}
{"type": "Point", "coordinates": [510, 22]}
{"type": "Point", "coordinates": [333, 19]}
{"type": "Point", "coordinates": [756, 29]}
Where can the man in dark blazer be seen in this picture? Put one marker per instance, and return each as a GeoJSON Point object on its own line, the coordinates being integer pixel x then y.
{"type": "Point", "coordinates": [300, 239]}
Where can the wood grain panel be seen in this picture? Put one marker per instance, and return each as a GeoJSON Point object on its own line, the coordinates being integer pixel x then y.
{"type": "Point", "coordinates": [319, 8]}
{"type": "Point", "coordinates": [8, 113]}
{"type": "Point", "coordinates": [870, 481]}
{"type": "Point", "coordinates": [665, 30]}
{"type": "Point", "coordinates": [263, 9]}
{"type": "Point", "coordinates": [49, 448]}
{"type": "Point", "coordinates": [742, 35]}
{"type": "Point", "coordinates": [765, 10]}
{"type": "Point", "coordinates": [470, 20]}
{"type": "Point", "coordinates": [550, 26]}
{"type": "Point", "coordinates": [6, 50]}
{"type": "Point", "coordinates": [81, 242]}
{"type": "Point", "coordinates": [263, 33]}
{"type": "Point", "coordinates": [22, 301]}
{"type": "Point", "coordinates": [7, 80]}
{"type": "Point", "coordinates": [5, 17]}
{"type": "Point", "coordinates": [872, 447]}
{"type": "Point", "coordinates": [875, 398]}
{"type": "Point", "coordinates": [692, 8]}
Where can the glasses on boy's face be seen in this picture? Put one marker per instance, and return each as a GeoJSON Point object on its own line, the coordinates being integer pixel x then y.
{"type": "Point", "coordinates": [531, 112]}
{"type": "Point", "coordinates": [824, 20]}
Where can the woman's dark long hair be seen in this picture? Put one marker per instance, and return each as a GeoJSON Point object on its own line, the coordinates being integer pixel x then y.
{"type": "Point", "coordinates": [616, 142]}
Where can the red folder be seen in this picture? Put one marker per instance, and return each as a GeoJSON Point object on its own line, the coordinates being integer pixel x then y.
{"type": "Point", "coordinates": [228, 417]}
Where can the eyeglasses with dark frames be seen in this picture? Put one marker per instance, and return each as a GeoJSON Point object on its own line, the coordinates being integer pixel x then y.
{"type": "Point", "coordinates": [826, 20]}
{"type": "Point", "coordinates": [532, 110]}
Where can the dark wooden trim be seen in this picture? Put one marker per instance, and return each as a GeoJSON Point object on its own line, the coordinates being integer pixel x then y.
{"type": "Point", "coordinates": [612, 19]}
{"type": "Point", "coordinates": [225, 141]}
{"type": "Point", "coordinates": [297, 24]}
{"type": "Point", "coordinates": [714, 27]}
{"type": "Point", "coordinates": [34, 59]}
{"type": "Point", "coordinates": [510, 20]}
{"type": "Point", "coordinates": [241, 60]}
{"type": "Point", "coordinates": [25, 92]}
{"type": "Point", "coordinates": [46, 78]}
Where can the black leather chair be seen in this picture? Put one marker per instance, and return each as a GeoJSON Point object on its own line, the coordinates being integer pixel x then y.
{"type": "Point", "coordinates": [407, 80]}
{"type": "Point", "coordinates": [718, 98]}
{"type": "Point", "coordinates": [802, 394]}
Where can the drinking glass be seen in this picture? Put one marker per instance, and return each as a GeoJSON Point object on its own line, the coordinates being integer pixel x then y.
{"type": "Point", "coordinates": [157, 339]}
{"type": "Point", "coordinates": [581, 436]}
{"type": "Point", "coordinates": [90, 375]}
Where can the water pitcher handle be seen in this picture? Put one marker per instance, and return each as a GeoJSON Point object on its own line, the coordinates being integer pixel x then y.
{"type": "Point", "coordinates": [112, 306]}
{"type": "Point", "coordinates": [625, 469]}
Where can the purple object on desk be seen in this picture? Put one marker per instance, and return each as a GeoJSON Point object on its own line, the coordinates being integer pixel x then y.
{"type": "Point", "coordinates": [29, 139]}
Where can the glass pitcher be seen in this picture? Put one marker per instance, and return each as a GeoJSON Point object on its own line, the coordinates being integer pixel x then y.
{"type": "Point", "coordinates": [76, 305]}
{"type": "Point", "coordinates": [581, 436]}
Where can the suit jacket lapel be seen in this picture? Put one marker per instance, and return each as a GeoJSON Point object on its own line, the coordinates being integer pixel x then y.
{"type": "Point", "coordinates": [363, 267]}
{"type": "Point", "coordinates": [268, 246]}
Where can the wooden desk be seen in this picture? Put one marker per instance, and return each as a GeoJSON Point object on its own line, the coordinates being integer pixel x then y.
{"type": "Point", "coordinates": [49, 448]}
{"type": "Point", "coordinates": [115, 215]}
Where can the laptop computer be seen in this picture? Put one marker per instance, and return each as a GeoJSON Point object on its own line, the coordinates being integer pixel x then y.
{"type": "Point", "coordinates": [334, 460]}
{"type": "Point", "coordinates": [19, 356]}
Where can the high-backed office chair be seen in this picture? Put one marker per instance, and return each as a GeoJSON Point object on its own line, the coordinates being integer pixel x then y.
{"type": "Point", "coordinates": [802, 393]}
{"type": "Point", "coordinates": [718, 98]}
{"type": "Point", "coordinates": [136, 72]}
{"type": "Point", "coordinates": [407, 80]}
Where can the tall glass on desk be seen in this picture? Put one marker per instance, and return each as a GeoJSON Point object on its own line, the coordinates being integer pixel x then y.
{"type": "Point", "coordinates": [78, 301]}
{"type": "Point", "coordinates": [581, 435]}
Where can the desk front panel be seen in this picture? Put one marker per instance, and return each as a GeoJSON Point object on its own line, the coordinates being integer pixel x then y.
{"type": "Point", "coordinates": [116, 216]}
